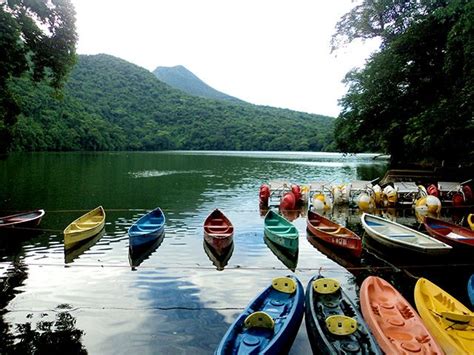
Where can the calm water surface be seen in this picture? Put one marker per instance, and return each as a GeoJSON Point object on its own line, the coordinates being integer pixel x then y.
{"type": "Point", "coordinates": [176, 298]}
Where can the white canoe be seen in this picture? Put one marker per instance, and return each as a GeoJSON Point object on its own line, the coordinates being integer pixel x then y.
{"type": "Point", "coordinates": [392, 234]}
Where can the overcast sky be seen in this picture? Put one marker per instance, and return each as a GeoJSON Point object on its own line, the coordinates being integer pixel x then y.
{"type": "Point", "coordinates": [267, 52]}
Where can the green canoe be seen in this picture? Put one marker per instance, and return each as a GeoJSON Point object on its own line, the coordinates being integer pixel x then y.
{"type": "Point", "coordinates": [281, 231]}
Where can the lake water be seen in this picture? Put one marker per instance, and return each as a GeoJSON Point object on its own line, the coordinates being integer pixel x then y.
{"type": "Point", "coordinates": [177, 298]}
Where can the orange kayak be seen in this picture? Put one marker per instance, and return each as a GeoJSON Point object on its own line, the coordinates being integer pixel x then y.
{"type": "Point", "coordinates": [393, 321]}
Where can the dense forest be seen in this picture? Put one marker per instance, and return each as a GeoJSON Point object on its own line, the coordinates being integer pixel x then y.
{"type": "Point", "coordinates": [110, 104]}
{"type": "Point", "coordinates": [181, 78]}
{"type": "Point", "coordinates": [414, 97]}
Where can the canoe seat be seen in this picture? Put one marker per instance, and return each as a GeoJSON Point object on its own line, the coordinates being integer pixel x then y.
{"type": "Point", "coordinates": [341, 325]}
{"type": "Point", "coordinates": [272, 222]}
{"type": "Point", "coordinates": [280, 228]}
{"type": "Point", "coordinates": [216, 227]}
{"type": "Point", "coordinates": [325, 286]}
{"type": "Point", "coordinates": [284, 284]}
{"type": "Point", "coordinates": [259, 320]}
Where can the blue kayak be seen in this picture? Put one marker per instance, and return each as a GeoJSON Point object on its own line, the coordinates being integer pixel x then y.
{"type": "Point", "coordinates": [270, 322]}
{"type": "Point", "coordinates": [147, 229]}
{"type": "Point", "coordinates": [470, 289]}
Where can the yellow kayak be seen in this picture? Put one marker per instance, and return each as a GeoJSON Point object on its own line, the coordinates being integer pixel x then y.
{"type": "Point", "coordinates": [84, 227]}
{"type": "Point", "coordinates": [447, 319]}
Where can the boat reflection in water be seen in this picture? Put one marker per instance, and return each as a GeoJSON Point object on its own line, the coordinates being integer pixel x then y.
{"type": "Point", "coordinates": [221, 258]}
{"type": "Point", "coordinates": [288, 259]}
{"type": "Point", "coordinates": [72, 252]}
{"type": "Point", "coordinates": [137, 255]}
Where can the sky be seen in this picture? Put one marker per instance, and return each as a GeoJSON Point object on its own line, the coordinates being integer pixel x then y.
{"type": "Point", "coordinates": [266, 52]}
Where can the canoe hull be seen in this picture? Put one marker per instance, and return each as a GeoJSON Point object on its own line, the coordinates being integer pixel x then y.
{"type": "Point", "coordinates": [400, 237]}
{"type": "Point", "coordinates": [147, 229]}
{"type": "Point", "coordinates": [28, 219]}
{"type": "Point", "coordinates": [450, 233]}
{"type": "Point", "coordinates": [470, 289]}
{"type": "Point", "coordinates": [318, 308]}
{"type": "Point", "coordinates": [344, 238]}
{"type": "Point", "coordinates": [85, 227]}
{"type": "Point", "coordinates": [287, 312]}
{"type": "Point", "coordinates": [430, 302]}
{"type": "Point", "coordinates": [388, 313]}
{"type": "Point", "coordinates": [281, 232]}
{"type": "Point", "coordinates": [218, 231]}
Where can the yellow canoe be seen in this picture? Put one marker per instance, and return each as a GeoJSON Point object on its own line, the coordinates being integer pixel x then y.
{"type": "Point", "coordinates": [447, 319]}
{"type": "Point", "coordinates": [84, 227]}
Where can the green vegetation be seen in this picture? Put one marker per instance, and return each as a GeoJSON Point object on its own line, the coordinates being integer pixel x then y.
{"type": "Point", "coordinates": [414, 98]}
{"type": "Point", "coordinates": [181, 78]}
{"type": "Point", "coordinates": [110, 104]}
{"type": "Point", "coordinates": [38, 38]}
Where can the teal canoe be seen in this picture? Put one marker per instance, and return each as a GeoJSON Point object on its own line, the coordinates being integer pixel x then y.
{"type": "Point", "coordinates": [281, 232]}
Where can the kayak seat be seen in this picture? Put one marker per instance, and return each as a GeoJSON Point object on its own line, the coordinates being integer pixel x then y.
{"type": "Point", "coordinates": [325, 286]}
{"type": "Point", "coordinates": [341, 325]}
{"type": "Point", "coordinates": [259, 320]}
{"type": "Point", "coordinates": [284, 284]}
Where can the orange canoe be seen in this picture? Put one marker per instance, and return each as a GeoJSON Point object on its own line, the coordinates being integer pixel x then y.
{"type": "Point", "coordinates": [393, 321]}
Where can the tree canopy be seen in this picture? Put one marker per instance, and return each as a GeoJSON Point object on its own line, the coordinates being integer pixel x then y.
{"type": "Point", "coordinates": [414, 97]}
{"type": "Point", "coordinates": [37, 38]}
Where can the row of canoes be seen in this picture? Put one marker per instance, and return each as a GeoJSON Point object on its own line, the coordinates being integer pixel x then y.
{"type": "Point", "coordinates": [388, 323]}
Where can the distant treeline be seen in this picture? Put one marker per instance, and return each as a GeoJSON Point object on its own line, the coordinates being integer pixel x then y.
{"type": "Point", "coordinates": [110, 104]}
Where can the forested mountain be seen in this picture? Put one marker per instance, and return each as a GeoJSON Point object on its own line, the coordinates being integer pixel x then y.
{"type": "Point", "coordinates": [110, 104]}
{"type": "Point", "coordinates": [181, 78]}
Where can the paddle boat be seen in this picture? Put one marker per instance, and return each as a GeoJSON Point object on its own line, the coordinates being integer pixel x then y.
{"type": "Point", "coordinates": [270, 322]}
{"type": "Point", "coordinates": [281, 231]}
{"type": "Point", "coordinates": [147, 229]}
{"type": "Point", "coordinates": [334, 234]}
{"type": "Point", "coordinates": [218, 231]}
{"type": "Point", "coordinates": [84, 227]}
{"type": "Point", "coordinates": [393, 321]}
{"type": "Point", "coordinates": [24, 219]}
{"type": "Point", "coordinates": [397, 236]}
{"type": "Point", "coordinates": [448, 320]}
{"type": "Point", "coordinates": [333, 323]}
{"type": "Point", "coordinates": [449, 233]}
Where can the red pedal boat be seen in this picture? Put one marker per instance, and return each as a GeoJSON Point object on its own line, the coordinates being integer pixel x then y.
{"type": "Point", "coordinates": [333, 233]}
{"type": "Point", "coordinates": [25, 219]}
{"type": "Point", "coordinates": [449, 233]}
{"type": "Point", "coordinates": [218, 231]}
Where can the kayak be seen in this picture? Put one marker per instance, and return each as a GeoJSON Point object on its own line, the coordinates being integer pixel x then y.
{"type": "Point", "coordinates": [448, 320]}
{"type": "Point", "coordinates": [147, 229]}
{"type": "Point", "coordinates": [270, 322]}
{"type": "Point", "coordinates": [397, 236]}
{"type": "Point", "coordinates": [281, 231]}
{"type": "Point", "coordinates": [450, 233]}
{"type": "Point", "coordinates": [85, 227]}
{"type": "Point", "coordinates": [393, 321]}
{"type": "Point", "coordinates": [218, 231]}
{"type": "Point", "coordinates": [333, 323]}
{"type": "Point", "coordinates": [333, 233]}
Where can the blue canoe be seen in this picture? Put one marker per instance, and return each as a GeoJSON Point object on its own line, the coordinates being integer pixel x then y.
{"type": "Point", "coordinates": [470, 289]}
{"type": "Point", "coordinates": [147, 229]}
{"type": "Point", "coordinates": [270, 322]}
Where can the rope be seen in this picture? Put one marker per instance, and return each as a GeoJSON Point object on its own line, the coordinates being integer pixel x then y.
{"type": "Point", "coordinates": [172, 308]}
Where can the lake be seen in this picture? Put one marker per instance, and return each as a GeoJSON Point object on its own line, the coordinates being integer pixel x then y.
{"type": "Point", "coordinates": [176, 298]}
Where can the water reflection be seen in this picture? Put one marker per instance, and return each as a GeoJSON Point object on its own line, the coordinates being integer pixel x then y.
{"type": "Point", "coordinates": [288, 259]}
{"type": "Point", "coordinates": [219, 260]}
{"type": "Point", "coordinates": [137, 255]}
{"type": "Point", "coordinates": [75, 250]}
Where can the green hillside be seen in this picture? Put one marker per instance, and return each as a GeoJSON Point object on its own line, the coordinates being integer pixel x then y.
{"type": "Point", "coordinates": [110, 104]}
{"type": "Point", "coordinates": [181, 78]}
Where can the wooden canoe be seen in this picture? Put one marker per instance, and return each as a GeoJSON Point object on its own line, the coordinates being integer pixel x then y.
{"type": "Point", "coordinates": [397, 236]}
{"type": "Point", "coordinates": [333, 233]}
{"type": "Point", "coordinates": [270, 322]}
{"type": "Point", "coordinates": [281, 231]}
{"type": "Point", "coordinates": [447, 319]}
{"type": "Point", "coordinates": [218, 231]}
{"type": "Point", "coordinates": [84, 227]}
{"type": "Point", "coordinates": [24, 219]}
{"type": "Point", "coordinates": [147, 229]}
{"type": "Point", "coordinates": [449, 233]}
{"type": "Point", "coordinates": [324, 299]}
{"type": "Point", "coordinates": [394, 323]}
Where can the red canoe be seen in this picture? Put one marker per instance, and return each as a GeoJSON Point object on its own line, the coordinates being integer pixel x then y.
{"type": "Point", "coordinates": [218, 231]}
{"type": "Point", "coordinates": [449, 233]}
{"type": "Point", "coordinates": [24, 219]}
{"type": "Point", "coordinates": [333, 233]}
{"type": "Point", "coordinates": [393, 321]}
